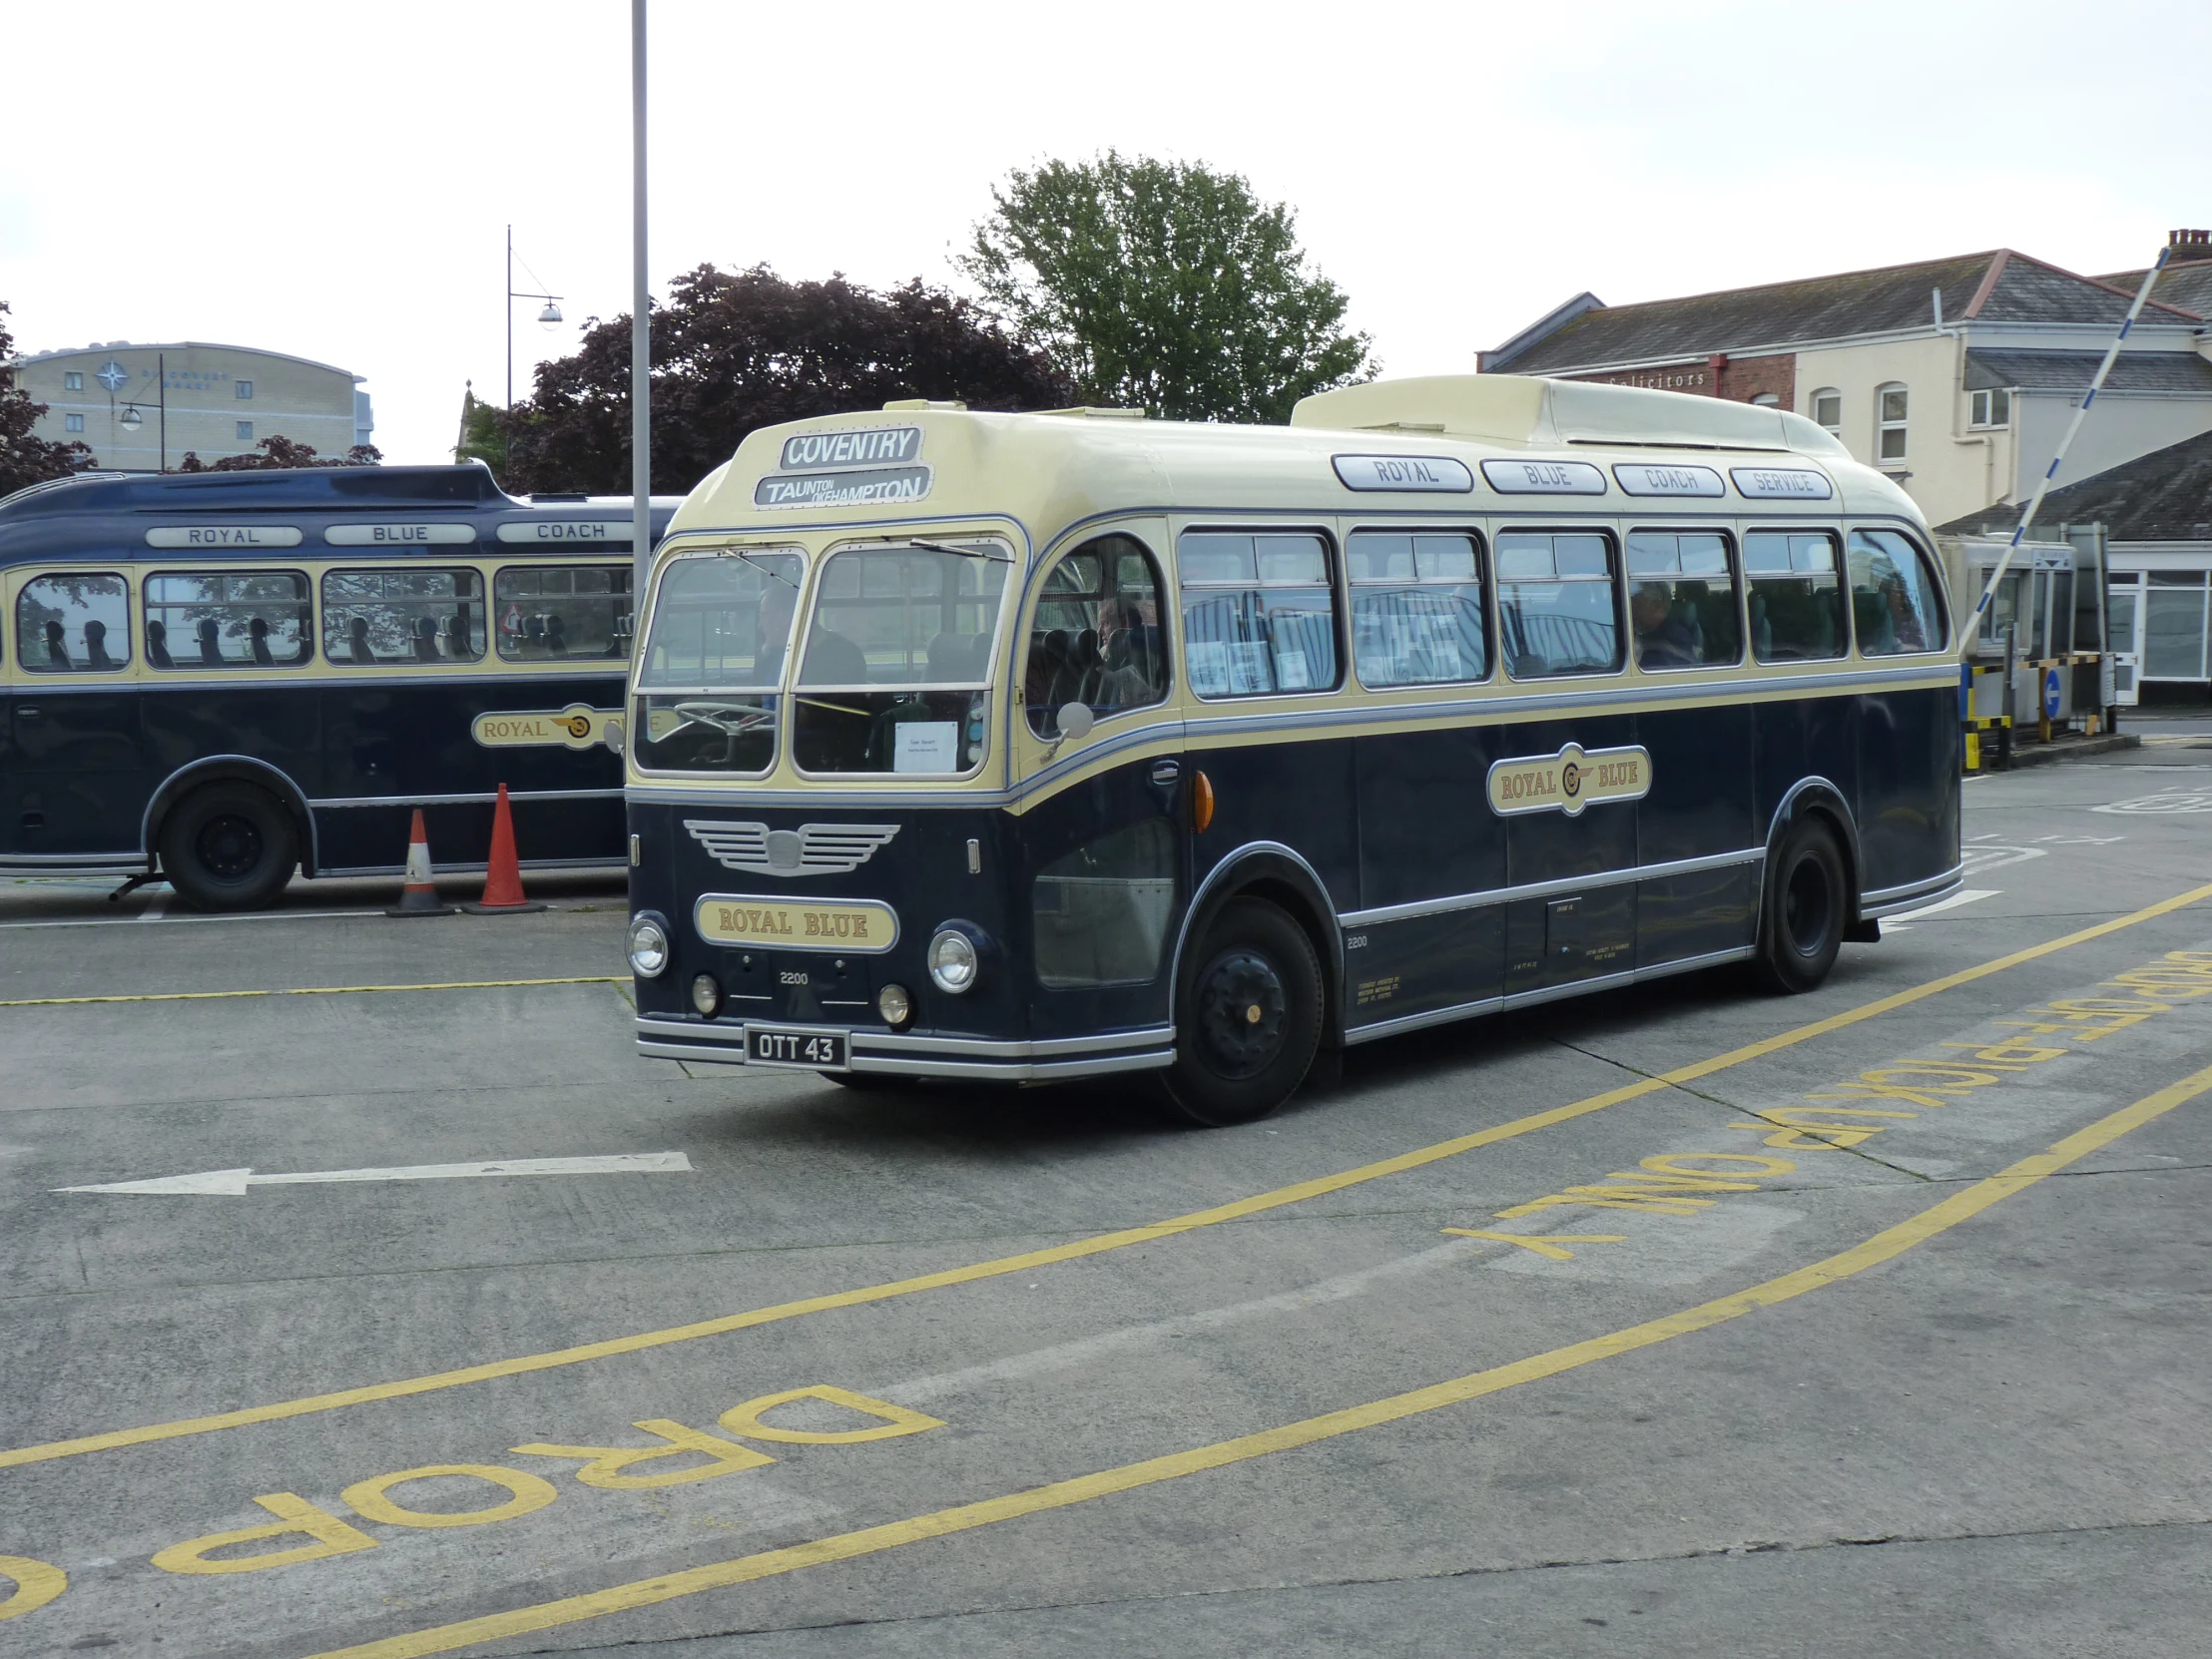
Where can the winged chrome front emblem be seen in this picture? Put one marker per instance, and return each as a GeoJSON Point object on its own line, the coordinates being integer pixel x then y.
{"type": "Point", "coordinates": [811, 850]}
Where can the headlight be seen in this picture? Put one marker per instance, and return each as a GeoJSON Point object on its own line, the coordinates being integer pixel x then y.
{"type": "Point", "coordinates": [648, 947]}
{"type": "Point", "coordinates": [894, 1005]}
{"type": "Point", "coordinates": [952, 961]}
{"type": "Point", "coordinates": [706, 995]}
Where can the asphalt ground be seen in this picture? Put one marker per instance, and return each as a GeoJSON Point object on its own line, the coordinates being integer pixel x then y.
{"type": "Point", "coordinates": [1685, 1321]}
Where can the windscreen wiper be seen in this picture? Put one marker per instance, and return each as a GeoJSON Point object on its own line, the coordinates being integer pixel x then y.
{"type": "Point", "coordinates": [740, 553]}
{"type": "Point", "coordinates": [961, 552]}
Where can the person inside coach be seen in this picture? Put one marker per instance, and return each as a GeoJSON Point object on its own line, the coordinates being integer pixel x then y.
{"type": "Point", "coordinates": [1663, 638]}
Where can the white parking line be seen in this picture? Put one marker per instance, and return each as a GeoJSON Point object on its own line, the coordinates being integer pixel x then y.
{"type": "Point", "coordinates": [1891, 924]}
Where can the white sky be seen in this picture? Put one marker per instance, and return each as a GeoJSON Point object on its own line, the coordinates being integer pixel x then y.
{"type": "Point", "coordinates": [332, 181]}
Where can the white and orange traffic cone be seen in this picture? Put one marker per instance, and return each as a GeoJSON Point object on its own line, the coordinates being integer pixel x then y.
{"type": "Point", "coordinates": [503, 896]}
{"type": "Point", "coordinates": [420, 897]}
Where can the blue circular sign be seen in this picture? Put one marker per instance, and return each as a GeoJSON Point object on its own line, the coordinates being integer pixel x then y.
{"type": "Point", "coordinates": [2050, 693]}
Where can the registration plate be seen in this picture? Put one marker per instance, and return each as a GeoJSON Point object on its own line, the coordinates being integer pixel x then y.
{"type": "Point", "coordinates": [784, 1045]}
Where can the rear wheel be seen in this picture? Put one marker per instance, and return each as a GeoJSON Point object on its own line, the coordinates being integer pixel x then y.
{"type": "Point", "coordinates": [1248, 1016]}
{"type": "Point", "coordinates": [228, 846]}
{"type": "Point", "coordinates": [1803, 923]}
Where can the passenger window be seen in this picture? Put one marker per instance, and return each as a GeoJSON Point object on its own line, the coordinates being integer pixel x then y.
{"type": "Point", "coordinates": [73, 624]}
{"type": "Point", "coordinates": [1796, 598]}
{"type": "Point", "coordinates": [1682, 600]}
{"type": "Point", "coordinates": [1894, 596]}
{"type": "Point", "coordinates": [228, 619]}
{"type": "Point", "coordinates": [392, 618]}
{"type": "Point", "coordinates": [1102, 911]}
{"type": "Point", "coordinates": [550, 611]}
{"type": "Point", "coordinates": [1417, 608]}
{"type": "Point", "coordinates": [1259, 614]}
{"type": "Point", "coordinates": [1556, 613]}
{"type": "Point", "coordinates": [1096, 639]}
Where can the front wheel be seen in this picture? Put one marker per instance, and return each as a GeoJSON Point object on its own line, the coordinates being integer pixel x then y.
{"type": "Point", "coordinates": [1248, 1016]}
{"type": "Point", "coordinates": [1801, 923]}
{"type": "Point", "coordinates": [228, 846]}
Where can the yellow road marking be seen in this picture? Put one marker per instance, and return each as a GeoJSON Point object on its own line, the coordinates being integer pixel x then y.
{"type": "Point", "coordinates": [307, 991]}
{"type": "Point", "coordinates": [1884, 1246]}
{"type": "Point", "coordinates": [1099, 1245]}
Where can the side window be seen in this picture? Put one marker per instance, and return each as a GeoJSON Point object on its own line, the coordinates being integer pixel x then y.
{"type": "Point", "coordinates": [1417, 608]}
{"type": "Point", "coordinates": [562, 610]}
{"type": "Point", "coordinates": [1894, 596]}
{"type": "Point", "coordinates": [1259, 613]}
{"type": "Point", "coordinates": [1682, 598]}
{"type": "Point", "coordinates": [1797, 599]}
{"type": "Point", "coordinates": [391, 618]}
{"type": "Point", "coordinates": [228, 619]}
{"type": "Point", "coordinates": [1097, 638]}
{"type": "Point", "coordinates": [1556, 613]}
{"type": "Point", "coordinates": [73, 624]}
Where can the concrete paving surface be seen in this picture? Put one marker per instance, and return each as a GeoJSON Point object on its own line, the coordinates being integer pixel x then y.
{"type": "Point", "coordinates": [1685, 1321]}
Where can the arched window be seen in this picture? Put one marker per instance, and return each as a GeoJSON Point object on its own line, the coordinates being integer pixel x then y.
{"type": "Point", "coordinates": [1765, 400]}
{"type": "Point", "coordinates": [1828, 409]}
{"type": "Point", "coordinates": [1889, 404]}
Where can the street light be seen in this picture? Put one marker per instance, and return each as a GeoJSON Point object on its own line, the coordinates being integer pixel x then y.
{"type": "Point", "coordinates": [131, 420]}
{"type": "Point", "coordinates": [550, 318]}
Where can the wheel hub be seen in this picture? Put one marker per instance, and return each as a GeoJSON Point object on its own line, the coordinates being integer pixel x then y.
{"type": "Point", "coordinates": [229, 847]}
{"type": "Point", "coordinates": [1241, 1013]}
{"type": "Point", "coordinates": [1807, 908]}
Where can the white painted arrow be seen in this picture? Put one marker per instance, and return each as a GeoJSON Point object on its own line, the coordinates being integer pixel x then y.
{"type": "Point", "coordinates": [232, 1182]}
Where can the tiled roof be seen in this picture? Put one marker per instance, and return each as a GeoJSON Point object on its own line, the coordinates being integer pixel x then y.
{"type": "Point", "coordinates": [2163, 496]}
{"type": "Point", "coordinates": [2187, 285]}
{"type": "Point", "coordinates": [2171, 372]}
{"type": "Point", "coordinates": [1997, 287]}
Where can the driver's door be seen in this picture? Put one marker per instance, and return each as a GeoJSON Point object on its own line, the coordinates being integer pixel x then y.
{"type": "Point", "coordinates": [1098, 756]}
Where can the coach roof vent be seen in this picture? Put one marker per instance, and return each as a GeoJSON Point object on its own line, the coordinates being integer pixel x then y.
{"type": "Point", "coordinates": [1526, 411]}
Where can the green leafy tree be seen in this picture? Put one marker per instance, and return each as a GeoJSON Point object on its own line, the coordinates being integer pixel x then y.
{"type": "Point", "coordinates": [483, 434]}
{"type": "Point", "coordinates": [736, 350]}
{"type": "Point", "coordinates": [24, 459]}
{"type": "Point", "coordinates": [279, 453]}
{"type": "Point", "coordinates": [1165, 286]}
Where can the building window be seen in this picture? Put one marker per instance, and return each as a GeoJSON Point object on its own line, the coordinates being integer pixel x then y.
{"type": "Point", "coordinates": [73, 380]}
{"type": "Point", "coordinates": [1889, 423]}
{"type": "Point", "coordinates": [243, 389]}
{"type": "Point", "coordinates": [1765, 400]}
{"type": "Point", "coordinates": [1828, 409]}
{"type": "Point", "coordinates": [72, 423]}
{"type": "Point", "coordinates": [245, 432]}
{"type": "Point", "coordinates": [1993, 408]}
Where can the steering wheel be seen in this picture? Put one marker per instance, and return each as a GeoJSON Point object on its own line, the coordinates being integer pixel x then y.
{"type": "Point", "coordinates": [730, 719]}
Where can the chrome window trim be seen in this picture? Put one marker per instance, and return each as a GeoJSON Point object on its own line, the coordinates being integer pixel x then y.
{"type": "Point", "coordinates": [463, 799]}
{"type": "Point", "coordinates": [1550, 888]}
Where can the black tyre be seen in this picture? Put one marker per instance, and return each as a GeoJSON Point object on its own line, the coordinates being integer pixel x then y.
{"type": "Point", "coordinates": [228, 846]}
{"type": "Point", "coordinates": [1248, 1016]}
{"type": "Point", "coordinates": [1806, 909]}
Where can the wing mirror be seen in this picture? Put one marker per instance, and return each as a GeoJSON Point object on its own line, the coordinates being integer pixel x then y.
{"type": "Point", "coordinates": [609, 734]}
{"type": "Point", "coordinates": [1075, 721]}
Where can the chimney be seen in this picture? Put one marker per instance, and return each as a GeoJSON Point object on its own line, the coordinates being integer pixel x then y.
{"type": "Point", "coordinates": [2184, 246]}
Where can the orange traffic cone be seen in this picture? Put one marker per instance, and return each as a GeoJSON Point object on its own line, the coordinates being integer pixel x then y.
{"type": "Point", "coordinates": [420, 897]}
{"type": "Point", "coordinates": [503, 873]}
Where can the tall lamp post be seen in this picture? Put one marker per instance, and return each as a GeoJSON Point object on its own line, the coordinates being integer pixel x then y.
{"type": "Point", "coordinates": [641, 332]}
{"type": "Point", "coordinates": [132, 420]}
{"type": "Point", "coordinates": [550, 316]}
